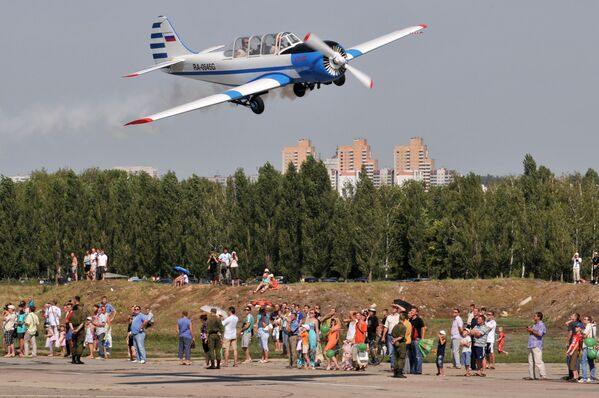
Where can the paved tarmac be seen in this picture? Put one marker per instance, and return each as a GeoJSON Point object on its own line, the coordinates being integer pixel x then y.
{"type": "Point", "coordinates": [116, 378]}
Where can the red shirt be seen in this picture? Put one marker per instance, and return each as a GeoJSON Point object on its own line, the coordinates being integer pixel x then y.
{"type": "Point", "coordinates": [360, 336]}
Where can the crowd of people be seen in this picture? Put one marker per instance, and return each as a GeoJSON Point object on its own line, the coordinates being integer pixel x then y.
{"type": "Point", "coordinates": [95, 265]}
{"type": "Point", "coordinates": [308, 337]}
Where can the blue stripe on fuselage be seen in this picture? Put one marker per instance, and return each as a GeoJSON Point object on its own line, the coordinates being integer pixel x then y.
{"type": "Point", "coordinates": [155, 35]}
{"type": "Point", "coordinates": [156, 25]}
{"type": "Point", "coordinates": [157, 45]}
{"type": "Point", "coordinates": [159, 55]}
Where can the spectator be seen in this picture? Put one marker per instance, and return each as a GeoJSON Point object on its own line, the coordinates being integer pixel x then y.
{"type": "Point", "coordinates": [31, 322]}
{"type": "Point", "coordinates": [595, 268]}
{"type": "Point", "coordinates": [441, 353]}
{"type": "Point", "coordinates": [304, 333]}
{"type": "Point", "coordinates": [94, 264]}
{"type": "Point", "coordinates": [264, 328]}
{"type": "Point", "coordinates": [572, 324]}
{"type": "Point", "coordinates": [225, 260]}
{"type": "Point", "coordinates": [185, 333]}
{"type": "Point", "coordinates": [293, 326]}
{"type": "Point", "coordinates": [234, 267]}
{"type": "Point", "coordinates": [471, 314]}
{"type": "Point", "coordinates": [74, 264]}
{"type": "Point", "coordinates": [129, 339]}
{"type": "Point", "coordinates": [21, 328]}
{"type": "Point", "coordinates": [332, 344]}
{"type": "Point", "coordinates": [51, 338]}
{"type": "Point", "coordinates": [536, 333]}
{"type": "Point", "coordinates": [480, 333]}
{"type": "Point", "coordinates": [398, 335]}
{"type": "Point", "coordinates": [457, 327]}
{"type": "Point", "coordinates": [372, 322]}
{"type": "Point", "coordinates": [102, 261]}
{"type": "Point", "coordinates": [587, 364]}
{"type": "Point", "coordinates": [204, 336]}
{"type": "Point", "coordinates": [466, 345]}
{"type": "Point", "coordinates": [212, 269]}
{"type": "Point", "coordinates": [418, 330]}
{"type": "Point", "coordinates": [576, 264]}
{"type": "Point", "coordinates": [89, 337]}
{"type": "Point", "coordinates": [573, 353]}
{"type": "Point", "coordinates": [390, 322]}
{"type": "Point", "coordinates": [215, 330]}
{"type": "Point", "coordinates": [230, 336]}
{"type": "Point", "coordinates": [87, 265]}
{"type": "Point", "coordinates": [110, 310]}
{"type": "Point", "coordinates": [138, 332]}
{"type": "Point", "coordinates": [490, 349]}
{"type": "Point", "coordinates": [264, 283]}
{"type": "Point", "coordinates": [100, 323]}
{"type": "Point", "coordinates": [246, 333]}
{"type": "Point", "coordinates": [8, 327]}
{"type": "Point", "coordinates": [53, 314]}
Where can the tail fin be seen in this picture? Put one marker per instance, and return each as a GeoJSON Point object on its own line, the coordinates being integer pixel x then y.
{"type": "Point", "coordinates": [165, 43]}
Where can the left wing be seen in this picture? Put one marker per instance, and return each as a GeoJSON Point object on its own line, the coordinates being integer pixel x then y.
{"type": "Point", "coordinates": [261, 85]}
{"type": "Point", "coordinates": [373, 44]}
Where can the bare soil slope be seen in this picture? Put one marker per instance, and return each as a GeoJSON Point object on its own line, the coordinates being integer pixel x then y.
{"type": "Point", "coordinates": [434, 298]}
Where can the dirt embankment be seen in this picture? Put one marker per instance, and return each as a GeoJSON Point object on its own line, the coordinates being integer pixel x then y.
{"type": "Point", "coordinates": [515, 298]}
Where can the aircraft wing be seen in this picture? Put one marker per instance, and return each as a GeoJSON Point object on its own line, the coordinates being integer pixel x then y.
{"type": "Point", "coordinates": [261, 85]}
{"type": "Point", "coordinates": [373, 44]}
{"type": "Point", "coordinates": [155, 67]}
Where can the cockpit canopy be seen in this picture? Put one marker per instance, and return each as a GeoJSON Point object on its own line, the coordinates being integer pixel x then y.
{"type": "Point", "coordinates": [258, 45]}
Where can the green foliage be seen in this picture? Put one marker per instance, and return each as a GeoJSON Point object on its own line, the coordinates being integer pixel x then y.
{"type": "Point", "coordinates": [296, 225]}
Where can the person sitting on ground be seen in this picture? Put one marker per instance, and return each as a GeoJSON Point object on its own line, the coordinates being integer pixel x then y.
{"type": "Point", "coordinates": [264, 284]}
{"type": "Point", "coordinates": [273, 283]}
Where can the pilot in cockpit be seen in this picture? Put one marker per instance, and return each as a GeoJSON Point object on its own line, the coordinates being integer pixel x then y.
{"type": "Point", "coordinates": [243, 50]}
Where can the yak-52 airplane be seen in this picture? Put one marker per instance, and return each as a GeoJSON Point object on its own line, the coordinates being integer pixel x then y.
{"type": "Point", "coordinates": [253, 65]}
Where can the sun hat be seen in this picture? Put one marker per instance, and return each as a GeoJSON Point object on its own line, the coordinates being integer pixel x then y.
{"type": "Point", "coordinates": [442, 332]}
{"type": "Point", "coordinates": [11, 307]}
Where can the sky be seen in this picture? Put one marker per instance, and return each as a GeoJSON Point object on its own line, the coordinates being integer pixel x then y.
{"type": "Point", "coordinates": [486, 83]}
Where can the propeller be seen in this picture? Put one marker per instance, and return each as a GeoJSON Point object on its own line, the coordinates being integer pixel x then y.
{"type": "Point", "coordinates": [337, 59]}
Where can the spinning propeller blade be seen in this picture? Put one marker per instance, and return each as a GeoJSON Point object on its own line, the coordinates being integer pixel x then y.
{"type": "Point", "coordinates": [314, 42]}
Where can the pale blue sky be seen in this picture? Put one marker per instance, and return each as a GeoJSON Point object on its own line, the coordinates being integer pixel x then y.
{"type": "Point", "coordinates": [486, 83]}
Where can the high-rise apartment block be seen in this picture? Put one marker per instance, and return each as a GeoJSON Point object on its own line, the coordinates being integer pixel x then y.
{"type": "Point", "coordinates": [297, 154]}
{"type": "Point", "coordinates": [412, 162]}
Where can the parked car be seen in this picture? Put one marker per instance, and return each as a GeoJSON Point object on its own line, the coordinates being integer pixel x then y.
{"type": "Point", "coordinates": [362, 279]}
{"type": "Point", "coordinates": [310, 279]}
{"type": "Point", "coordinates": [331, 279]}
{"type": "Point", "coordinates": [281, 279]}
{"type": "Point", "coordinates": [166, 280]}
{"type": "Point", "coordinates": [134, 279]}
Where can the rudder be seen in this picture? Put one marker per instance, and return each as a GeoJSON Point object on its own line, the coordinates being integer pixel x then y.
{"type": "Point", "coordinates": [165, 42]}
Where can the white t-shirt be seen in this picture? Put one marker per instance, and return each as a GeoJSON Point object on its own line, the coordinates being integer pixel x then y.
{"type": "Point", "coordinates": [491, 325]}
{"type": "Point", "coordinates": [94, 259]}
{"type": "Point", "coordinates": [351, 331]}
{"type": "Point", "coordinates": [9, 322]}
{"type": "Point", "coordinates": [185, 279]}
{"type": "Point", "coordinates": [101, 321]}
{"type": "Point", "coordinates": [391, 321]}
{"type": "Point", "coordinates": [234, 263]}
{"type": "Point", "coordinates": [465, 341]}
{"type": "Point", "coordinates": [225, 258]}
{"type": "Point", "coordinates": [53, 315]}
{"type": "Point", "coordinates": [102, 260]}
{"type": "Point", "coordinates": [590, 330]}
{"type": "Point", "coordinates": [230, 324]}
{"type": "Point", "coordinates": [576, 263]}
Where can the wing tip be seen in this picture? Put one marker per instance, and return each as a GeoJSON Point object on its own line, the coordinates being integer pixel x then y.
{"type": "Point", "coordinates": [140, 121]}
{"type": "Point", "coordinates": [131, 75]}
{"type": "Point", "coordinates": [424, 26]}
{"type": "Point", "coordinates": [371, 84]}
{"type": "Point", "coordinates": [307, 37]}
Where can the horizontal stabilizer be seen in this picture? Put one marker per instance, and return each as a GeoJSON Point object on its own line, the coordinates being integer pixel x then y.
{"type": "Point", "coordinates": [155, 67]}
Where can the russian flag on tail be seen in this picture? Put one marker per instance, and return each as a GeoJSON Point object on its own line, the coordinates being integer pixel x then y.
{"type": "Point", "coordinates": [170, 38]}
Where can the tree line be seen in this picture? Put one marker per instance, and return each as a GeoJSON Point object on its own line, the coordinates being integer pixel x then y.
{"type": "Point", "coordinates": [296, 225]}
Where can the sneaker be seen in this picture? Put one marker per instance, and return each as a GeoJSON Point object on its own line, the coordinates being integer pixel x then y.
{"type": "Point", "coordinates": [134, 361]}
{"type": "Point", "coordinates": [142, 362]}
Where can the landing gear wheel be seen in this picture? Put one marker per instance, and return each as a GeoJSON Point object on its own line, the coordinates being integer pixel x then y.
{"type": "Point", "coordinates": [256, 105]}
{"type": "Point", "coordinates": [299, 89]}
{"type": "Point", "coordinates": [340, 81]}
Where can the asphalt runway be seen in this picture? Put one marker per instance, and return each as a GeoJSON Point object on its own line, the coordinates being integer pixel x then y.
{"type": "Point", "coordinates": [116, 378]}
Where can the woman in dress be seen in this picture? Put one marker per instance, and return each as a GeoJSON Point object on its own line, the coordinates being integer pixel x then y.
{"type": "Point", "coordinates": [312, 337]}
{"type": "Point", "coordinates": [332, 344]}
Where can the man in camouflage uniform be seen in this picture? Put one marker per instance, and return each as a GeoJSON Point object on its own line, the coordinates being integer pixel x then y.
{"type": "Point", "coordinates": [77, 324]}
{"type": "Point", "coordinates": [215, 330]}
{"type": "Point", "coordinates": [398, 335]}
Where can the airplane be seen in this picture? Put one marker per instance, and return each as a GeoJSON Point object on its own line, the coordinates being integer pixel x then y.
{"type": "Point", "coordinates": [253, 65]}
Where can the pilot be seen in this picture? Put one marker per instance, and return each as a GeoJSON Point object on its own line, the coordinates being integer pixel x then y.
{"type": "Point", "coordinates": [243, 50]}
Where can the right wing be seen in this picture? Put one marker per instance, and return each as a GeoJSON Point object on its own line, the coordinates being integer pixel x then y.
{"type": "Point", "coordinates": [263, 84]}
{"type": "Point", "coordinates": [366, 47]}
{"type": "Point", "coordinates": [155, 67]}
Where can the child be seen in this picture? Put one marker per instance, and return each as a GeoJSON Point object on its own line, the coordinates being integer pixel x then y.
{"type": "Point", "coordinates": [304, 334]}
{"type": "Point", "coordinates": [89, 337]}
{"type": "Point", "coordinates": [501, 342]}
{"type": "Point", "coordinates": [574, 352]}
{"type": "Point", "coordinates": [441, 353]}
{"type": "Point", "coordinates": [62, 340]}
{"type": "Point", "coordinates": [50, 339]}
{"type": "Point", "coordinates": [466, 344]}
{"type": "Point", "coordinates": [347, 355]}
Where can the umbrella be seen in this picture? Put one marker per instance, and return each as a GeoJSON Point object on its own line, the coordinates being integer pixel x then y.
{"type": "Point", "coordinates": [181, 269]}
{"type": "Point", "coordinates": [219, 311]}
{"type": "Point", "coordinates": [403, 303]}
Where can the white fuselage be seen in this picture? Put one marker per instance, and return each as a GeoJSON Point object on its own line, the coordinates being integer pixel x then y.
{"type": "Point", "coordinates": [215, 67]}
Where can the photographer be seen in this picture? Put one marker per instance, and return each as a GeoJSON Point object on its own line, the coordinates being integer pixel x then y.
{"type": "Point", "coordinates": [576, 263]}
{"type": "Point", "coordinates": [9, 321]}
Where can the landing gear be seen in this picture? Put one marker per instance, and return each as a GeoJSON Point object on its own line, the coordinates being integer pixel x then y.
{"type": "Point", "coordinates": [340, 81]}
{"type": "Point", "coordinates": [255, 103]}
{"type": "Point", "coordinates": [299, 89]}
